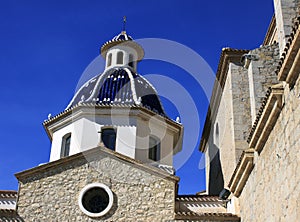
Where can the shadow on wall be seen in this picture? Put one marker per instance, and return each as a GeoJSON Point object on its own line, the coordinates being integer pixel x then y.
{"type": "Point", "coordinates": [216, 180]}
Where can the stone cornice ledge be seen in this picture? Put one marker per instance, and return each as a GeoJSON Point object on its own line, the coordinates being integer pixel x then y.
{"type": "Point", "coordinates": [242, 172]}
{"type": "Point", "coordinates": [266, 117]}
{"type": "Point", "coordinates": [289, 65]}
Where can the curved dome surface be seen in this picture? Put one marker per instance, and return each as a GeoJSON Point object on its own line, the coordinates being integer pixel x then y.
{"type": "Point", "coordinates": [119, 86]}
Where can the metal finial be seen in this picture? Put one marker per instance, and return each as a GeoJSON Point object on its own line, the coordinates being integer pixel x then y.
{"type": "Point", "coordinates": [124, 23]}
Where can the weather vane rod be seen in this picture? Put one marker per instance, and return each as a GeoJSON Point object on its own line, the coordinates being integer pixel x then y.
{"type": "Point", "coordinates": [124, 23]}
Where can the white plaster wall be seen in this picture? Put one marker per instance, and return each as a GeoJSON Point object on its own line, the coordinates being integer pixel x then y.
{"type": "Point", "coordinates": [132, 138]}
{"type": "Point", "coordinates": [207, 167]}
{"type": "Point", "coordinates": [126, 140]}
{"type": "Point", "coordinates": [251, 91]}
{"type": "Point", "coordinates": [126, 50]}
{"type": "Point", "coordinates": [85, 135]}
{"type": "Point", "coordinates": [159, 130]}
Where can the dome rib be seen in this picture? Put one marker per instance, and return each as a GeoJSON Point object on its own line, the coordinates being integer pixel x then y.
{"type": "Point", "coordinates": [119, 85]}
{"type": "Point", "coordinates": [133, 91]}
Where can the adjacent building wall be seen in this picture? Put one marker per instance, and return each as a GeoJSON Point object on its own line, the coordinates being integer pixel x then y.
{"type": "Point", "coordinates": [261, 75]}
{"type": "Point", "coordinates": [241, 98]}
{"type": "Point", "coordinates": [285, 11]}
{"type": "Point", "coordinates": [272, 192]}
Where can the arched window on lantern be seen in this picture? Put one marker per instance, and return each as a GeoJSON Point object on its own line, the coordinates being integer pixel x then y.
{"type": "Point", "coordinates": [109, 57]}
{"type": "Point", "coordinates": [154, 148]}
{"type": "Point", "coordinates": [120, 56]}
{"type": "Point", "coordinates": [65, 145]}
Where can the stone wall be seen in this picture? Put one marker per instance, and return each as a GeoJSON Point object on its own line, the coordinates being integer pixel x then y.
{"type": "Point", "coordinates": [285, 10]}
{"type": "Point", "coordinates": [139, 195]}
{"type": "Point", "coordinates": [272, 192]}
{"type": "Point", "coordinates": [261, 75]}
{"type": "Point", "coordinates": [241, 112]}
{"type": "Point", "coordinates": [233, 123]}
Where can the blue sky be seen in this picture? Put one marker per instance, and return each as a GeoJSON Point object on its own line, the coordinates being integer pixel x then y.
{"type": "Point", "coordinates": [45, 47]}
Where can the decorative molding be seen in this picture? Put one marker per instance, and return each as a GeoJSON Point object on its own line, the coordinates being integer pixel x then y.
{"type": "Point", "coordinates": [242, 172]}
{"type": "Point", "coordinates": [289, 65]}
{"type": "Point", "coordinates": [266, 118]}
{"type": "Point", "coordinates": [89, 155]}
{"type": "Point", "coordinates": [228, 56]}
{"type": "Point", "coordinates": [271, 32]}
{"type": "Point", "coordinates": [89, 187]}
{"type": "Point", "coordinates": [187, 216]}
{"type": "Point", "coordinates": [93, 108]}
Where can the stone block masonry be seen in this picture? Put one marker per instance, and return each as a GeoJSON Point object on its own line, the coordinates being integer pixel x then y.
{"type": "Point", "coordinates": [139, 195]}
{"type": "Point", "coordinates": [272, 191]}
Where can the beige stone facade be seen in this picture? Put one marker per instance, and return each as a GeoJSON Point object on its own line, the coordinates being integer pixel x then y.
{"type": "Point", "coordinates": [141, 193]}
{"type": "Point", "coordinates": [251, 141]}
{"type": "Point", "coordinates": [273, 187]}
{"type": "Point", "coordinates": [258, 120]}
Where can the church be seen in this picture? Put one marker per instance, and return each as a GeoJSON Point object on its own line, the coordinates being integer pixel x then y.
{"type": "Point", "coordinates": [112, 147]}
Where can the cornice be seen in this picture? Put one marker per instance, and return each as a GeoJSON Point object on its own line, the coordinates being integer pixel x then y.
{"type": "Point", "coordinates": [228, 56]}
{"type": "Point", "coordinates": [266, 118]}
{"type": "Point", "coordinates": [242, 172]}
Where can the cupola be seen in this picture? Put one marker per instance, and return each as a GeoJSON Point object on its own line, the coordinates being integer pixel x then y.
{"type": "Point", "coordinates": [118, 109]}
{"type": "Point", "coordinates": [122, 51]}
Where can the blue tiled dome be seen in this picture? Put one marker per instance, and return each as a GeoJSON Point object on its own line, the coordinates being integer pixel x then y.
{"type": "Point", "coordinates": [119, 86]}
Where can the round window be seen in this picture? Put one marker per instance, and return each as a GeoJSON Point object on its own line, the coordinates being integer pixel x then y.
{"type": "Point", "coordinates": [95, 199]}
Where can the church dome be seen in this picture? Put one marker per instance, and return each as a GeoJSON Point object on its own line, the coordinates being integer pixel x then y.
{"type": "Point", "coordinates": [119, 86]}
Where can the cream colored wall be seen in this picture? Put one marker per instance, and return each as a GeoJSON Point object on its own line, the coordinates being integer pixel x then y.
{"type": "Point", "coordinates": [139, 195]}
{"type": "Point", "coordinates": [272, 191]}
{"type": "Point", "coordinates": [225, 121]}
{"type": "Point", "coordinates": [234, 121]}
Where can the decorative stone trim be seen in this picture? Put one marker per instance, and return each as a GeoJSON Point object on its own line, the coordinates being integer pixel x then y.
{"type": "Point", "coordinates": [8, 194]}
{"type": "Point", "coordinates": [75, 111]}
{"type": "Point", "coordinates": [130, 43]}
{"type": "Point", "coordinates": [228, 56]}
{"type": "Point", "coordinates": [186, 216]}
{"type": "Point", "coordinates": [90, 154]}
{"type": "Point", "coordinates": [242, 172]}
{"type": "Point", "coordinates": [199, 204]}
{"type": "Point", "coordinates": [203, 198]}
{"type": "Point", "coordinates": [88, 188]}
{"type": "Point", "coordinates": [269, 38]}
{"type": "Point", "coordinates": [266, 118]}
{"type": "Point", "coordinates": [289, 66]}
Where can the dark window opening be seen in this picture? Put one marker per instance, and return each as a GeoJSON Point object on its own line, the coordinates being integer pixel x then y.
{"type": "Point", "coordinates": [95, 200]}
{"type": "Point", "coordinates": [65, 147]}
{"type": "Point", "coordinates": [131, 62]}
{"type": "Point", "coordinates": [108, 137]}
{"type": "Point", "coordinates": [109, 60]}
{"type": "Point", "coordinates": [154, 149]}
{"type": "Point", "coordinates": [120, 58]}
{"type": "Point", "coordinates": [217, 135]}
